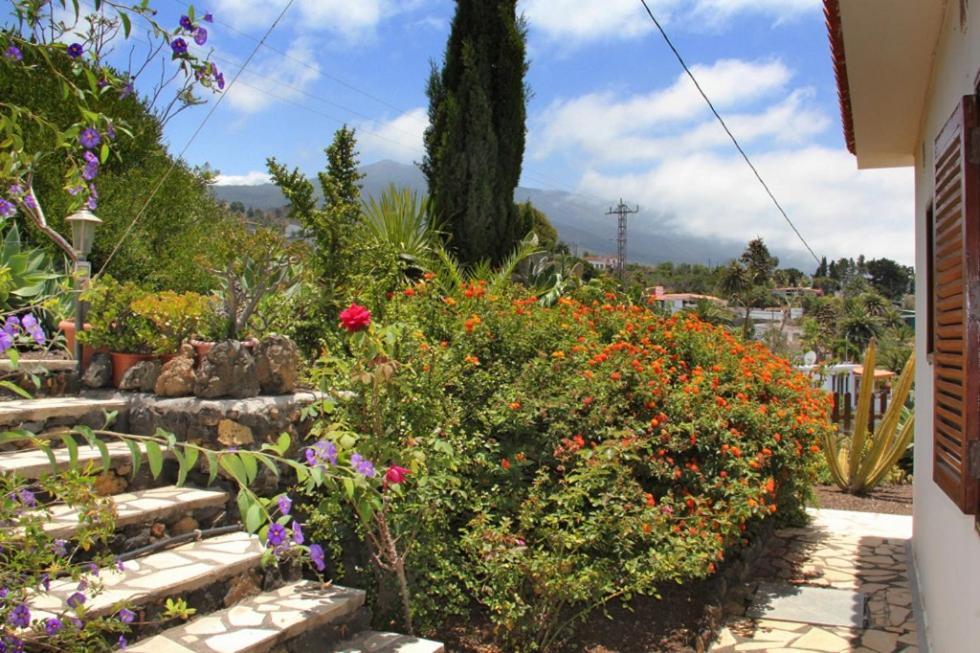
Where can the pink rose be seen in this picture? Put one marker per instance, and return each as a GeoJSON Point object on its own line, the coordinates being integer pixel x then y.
{"type": "Point", "coordinates": [355, 318]}
{"type": "Point", "coordinates": [396, 475]}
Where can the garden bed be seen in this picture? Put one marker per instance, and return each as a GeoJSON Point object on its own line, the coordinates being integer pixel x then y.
{"type": "Point", "coordinates": [892, 499]}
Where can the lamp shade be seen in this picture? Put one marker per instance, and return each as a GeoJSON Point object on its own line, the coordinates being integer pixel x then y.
{"type": "Point", "coordinates": [83, 224]}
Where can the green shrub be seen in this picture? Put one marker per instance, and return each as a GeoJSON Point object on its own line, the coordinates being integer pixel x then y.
{"type": "Point", "coordinates": [570, 455]}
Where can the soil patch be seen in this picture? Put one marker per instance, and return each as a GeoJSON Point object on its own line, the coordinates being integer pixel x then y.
{"type": "Point", "coordinates": [892, 499]}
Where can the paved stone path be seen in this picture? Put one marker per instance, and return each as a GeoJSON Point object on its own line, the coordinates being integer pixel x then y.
{"type": "Point", "coordinates": [862, 552]}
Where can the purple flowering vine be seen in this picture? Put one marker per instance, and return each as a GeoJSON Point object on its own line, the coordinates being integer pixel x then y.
{"type": "Point", "coordinates": [13, 53]}
{"type": "Point", "coordinates": [362, 465]}
{"type": "Point", "coordinates": [89, 138]}
{"type": "Point", "coordinates": [75, 50]}
{"type": "Point", "coordinates": [179, 46]}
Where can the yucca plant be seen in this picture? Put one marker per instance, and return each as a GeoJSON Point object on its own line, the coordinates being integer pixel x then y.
{"type": "Point", "coordinates": [859, 465]}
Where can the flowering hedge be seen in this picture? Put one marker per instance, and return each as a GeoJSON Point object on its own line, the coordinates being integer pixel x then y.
{"type": "Point", "coordinates": [563, 456]}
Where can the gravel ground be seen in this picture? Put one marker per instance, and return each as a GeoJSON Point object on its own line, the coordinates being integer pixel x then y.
{"type": "Point", "coordinates": [892, 499]}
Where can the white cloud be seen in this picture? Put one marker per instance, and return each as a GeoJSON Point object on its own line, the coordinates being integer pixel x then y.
{"type": "Point", "coordinates": [595, 121]}
{"type": "Point", "coordinates": [344, 17]}
{"type": "Point", "coordinates": [254, 178]}
{"type": "Point", "coordinates": [579, 21]}
{"type": "Point", "coordinates": [840, 211]}
{"type": "Point", "coordinates": [665, 151]}
{"type": "Point", "coordinates": [272, 78]}
{"type": "Point", "coordinates": [399, 139]}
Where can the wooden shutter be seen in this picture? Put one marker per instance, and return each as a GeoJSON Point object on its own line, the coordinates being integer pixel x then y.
{"type": "Point", "coordinates": [956, 288]}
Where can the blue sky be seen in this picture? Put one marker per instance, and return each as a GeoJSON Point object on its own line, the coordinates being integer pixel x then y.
{"type": "Point", "coordinates": [611, 113]}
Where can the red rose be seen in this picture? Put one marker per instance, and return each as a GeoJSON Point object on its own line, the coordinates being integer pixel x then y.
{"type": "Point", "coordinates": [355, 318]}
{"type": "Point", "coordinates": [396, 475]}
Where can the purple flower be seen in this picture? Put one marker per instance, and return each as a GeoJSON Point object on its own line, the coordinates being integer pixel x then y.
{"type": "Point", "coordinates": [277, 535]}
{"type": "Point", "coordinates": [30, 202]}
{"type": "Point", "coordinates": [126, 616]}
{"type": "Point", "coordinates": [7, 209]}
{"type": "Point", "coordinates": [13, 53]}
{"type": "Point", "coordinates": [20, 616]}
{"type": "Point", "coordinates": [29, 322]}
{"type": "Point", "coordinates": [59, 548]}
{"type": "Point", "coordinates": [75, 190]}
{"type": "Point", "coordinates": [52, 625]}
{"type": "Point", "coordinates": [362, 465]}
{"type": "Point", "coordinates": [120, 566]}
{"type": "Point", "coordinates": [285, 504]}
{"type": "Point", "coordinates": [220, 79]}
{"type": "Point", "coordinates": [298, 533]}
{"type": "Point", "coordinates": [6, 341]}
{"type": "Point", "coordinates": [322, 451]}
{"type": "Point", "coordinates": [3, 594]}
{"type": "Point", "coordinates": [186, 23]}
{"type": "Point", "coordinates": [89, 138]}
{"type": "Point", "coordinates": [75, 50]}
{"type": "Point", "coordinates": [75, 600]}
{"type": "Point", "coordinates": [27, 498]}
{"type": "Point", "coordinates": [11, 325]}
{"type": "Point", "coordinates": [208, 18]}
{"type": "Point", "coordinates": [125, 91]}
{"type": "Point", "coordinates": [317, 558]}
{"type": "Point", "coordinates": [179, 46]}
{"type": "Point", "coordinates": [16, 190]}
{"type": "Point", "coordinates": [122, 643]}
{"type": "Point", "coordinates": [92, 203]}
{"type": "Point", "coordinates": [46, 582]}
{"type": "Point", "coordinates": [92, 568]}
{"type": "Point", "coordinates": [200, 36]}
{"type": "Point", "coordinates": [111, 132]}
{"type": "Point", "coordinates": [90, 171]}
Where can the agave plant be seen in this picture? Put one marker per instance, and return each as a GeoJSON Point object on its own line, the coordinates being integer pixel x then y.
{"type": "Point", "coordinates": [27, 276]}
{"type": "Point", "coordinates": [402, 221]}
{"type": "Point", "coordinates": [452, 273]}
{"type": "Point", "coordinates": [859, 465]}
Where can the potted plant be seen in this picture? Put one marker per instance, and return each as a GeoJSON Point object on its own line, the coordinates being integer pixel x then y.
{"type": "Point", "coordinates": [252, 265]}
{"type": "Point", "coordinates": [175, 317]}
{"type": "Point", "coordinates": [116, 327]}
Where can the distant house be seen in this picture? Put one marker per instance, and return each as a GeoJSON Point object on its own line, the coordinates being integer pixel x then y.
{"type": "Point", "coordinates": [796, 293]}
{"type": "Point", "coordinates": [675, 302]}
{"type": "Point", "coordinates": [603, 262]}
{"type": "Point", "coordinates": [908, 73]}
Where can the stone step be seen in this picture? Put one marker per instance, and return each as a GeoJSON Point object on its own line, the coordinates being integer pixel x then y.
{"type": "Point", "coordinates": [38, 366]}
{"type": "Point", "coordinates": [139, 508]}
{"type": "Point", "coordinates": [33, 463]}
{"type": "Point", "coordinates": [260, 623]}
{"type": "Point", "coordinates": [160, 575]}
{"type": "Point", "coordinates": [16, 412]}
{"type": "Point", "coordinates": [370, 641]}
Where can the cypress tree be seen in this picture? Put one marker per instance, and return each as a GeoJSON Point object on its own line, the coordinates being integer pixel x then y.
{"type": "Point", "coordinates": [475, 139]}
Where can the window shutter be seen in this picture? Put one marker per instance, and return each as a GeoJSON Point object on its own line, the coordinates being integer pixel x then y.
{"type": "Point", "coordinates": [956, 305]}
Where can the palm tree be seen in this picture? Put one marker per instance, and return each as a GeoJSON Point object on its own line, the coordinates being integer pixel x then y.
{"type": "Point", "coordinates": [737, 284]}
{"type": "Point", "coordinates": [401, 221]}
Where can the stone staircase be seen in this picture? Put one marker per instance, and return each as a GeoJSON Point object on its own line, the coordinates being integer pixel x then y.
{"type": "Point", "coordinates": [241, 606]}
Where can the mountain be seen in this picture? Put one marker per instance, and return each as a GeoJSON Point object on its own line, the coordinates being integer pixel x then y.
{"type": "Point", "coordinates": [581, 221]}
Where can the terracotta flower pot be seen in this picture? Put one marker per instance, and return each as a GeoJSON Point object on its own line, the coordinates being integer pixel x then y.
{"type": "Point", "coordinates": [67, 327]}
{"type": "Point", "coordinates": [123, 361]}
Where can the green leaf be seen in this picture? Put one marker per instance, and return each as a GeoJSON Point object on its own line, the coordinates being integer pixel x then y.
{"type": "Point", "coordinates": [254, 517]}
{"type": "Point", "coordinates": [16, 389]}
{"type": "Point", "coordinates": [212, 466]}
{"type": "Point", "coordinates": [233, 465]}
{"type": "Point", "coordinates": [72, 447]}
{"type": "Point", "coordinates": [154, 458]}
{"type": "Point", "coordinates": [50, 454]}
{"type": "Point", "coordinates": [136, 454]}
{"type": "Point", "coordinates": [126, 23]}
{"type": "Point", "coordinates": [269, 463]}
{"type": "Point", "coordinates": [251, 466]}
{"type": "Point", "coordinates": [181, 466]}
{"type": "Point", "coordinates": [244, 501]}
{"type": "Point", "coordinates": [282, 444]}
{"type": "Point", "coordinates": [104, 153]}
{"type": "Point", "coordinates": [349, 487]}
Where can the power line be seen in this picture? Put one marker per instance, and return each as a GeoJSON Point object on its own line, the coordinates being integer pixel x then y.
{"type": "Point", "coordinates": [307, 64]}
{"type": "Point", "coordinates": [721, 120]}
{"type": "Point", "coordinates": [187, 145]}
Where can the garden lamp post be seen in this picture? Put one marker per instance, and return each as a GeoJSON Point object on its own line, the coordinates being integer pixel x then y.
{"type": "Point", "coordinates": [83, 224]}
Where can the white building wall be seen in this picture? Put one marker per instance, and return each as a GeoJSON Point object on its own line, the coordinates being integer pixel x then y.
{"type": "Point", "coordinates": [946, 544]}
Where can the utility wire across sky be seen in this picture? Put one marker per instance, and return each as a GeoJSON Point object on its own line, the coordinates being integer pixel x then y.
{"type": "Point", "coordinates": [721, 120]}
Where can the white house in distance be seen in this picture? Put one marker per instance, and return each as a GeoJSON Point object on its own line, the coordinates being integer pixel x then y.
{"type": "Point", "coordinates": [603, 263]}
{"type": "Point", "coordinates": [909, 76]}
{"type": "Point", "coordinates": [678, 301]}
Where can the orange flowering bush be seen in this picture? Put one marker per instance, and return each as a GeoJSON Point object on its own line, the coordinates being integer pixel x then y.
{"type": "Point", "coordinates": [584, 451]}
